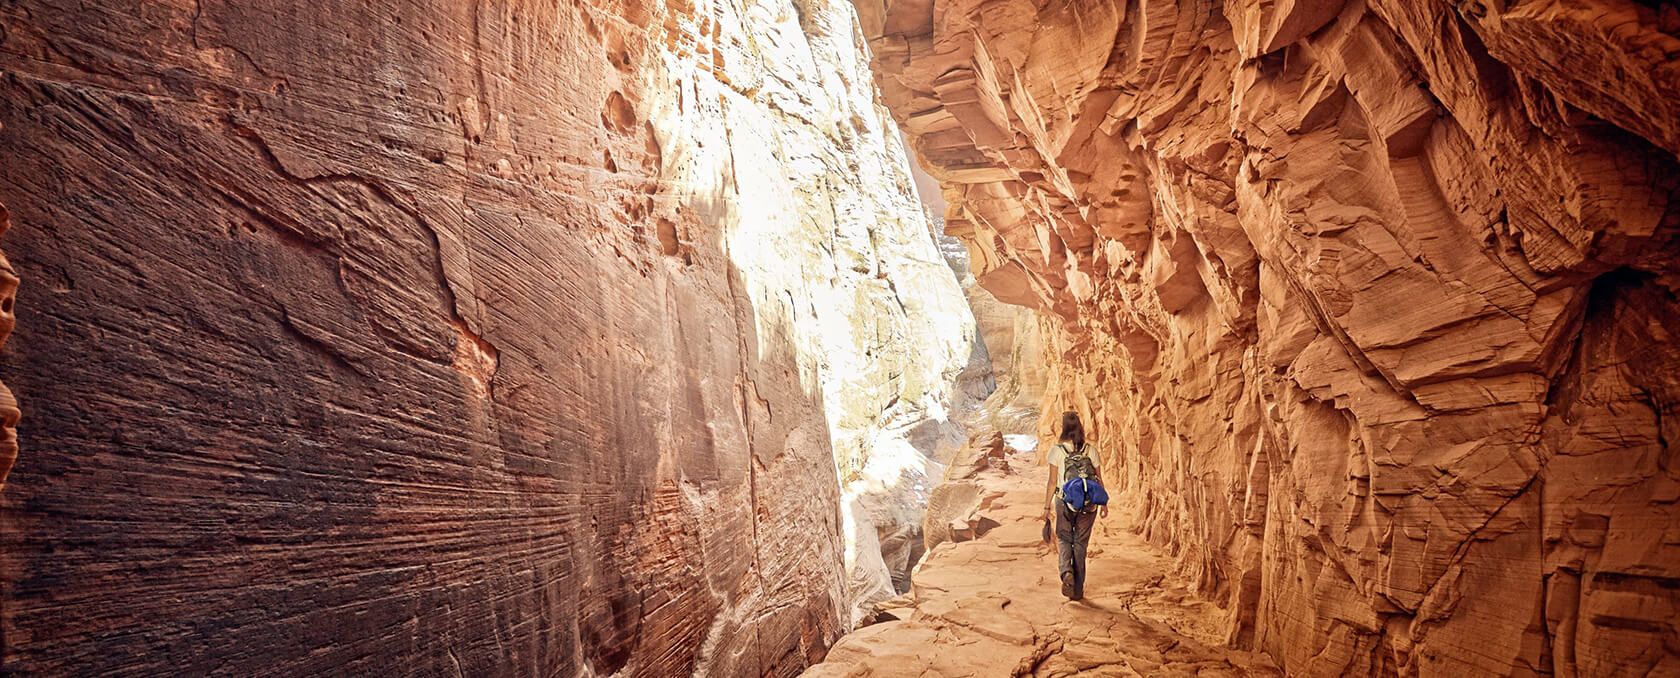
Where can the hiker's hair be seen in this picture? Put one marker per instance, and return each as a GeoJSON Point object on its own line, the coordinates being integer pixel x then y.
{"type": "Point", "coordinates": [1072, 430]}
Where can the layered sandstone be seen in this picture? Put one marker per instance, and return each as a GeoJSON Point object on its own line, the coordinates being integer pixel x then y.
{"type": "Point", "coordinates": [450, 338]}
{"type": "Point", "coordinates": [9, 412]}
{"type": "Point", "coordinates": [1369, 304]}
{"type": "Point", "coordinates": [1009, 333]}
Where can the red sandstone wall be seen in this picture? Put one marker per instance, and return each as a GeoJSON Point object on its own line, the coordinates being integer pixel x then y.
{"type": "Point", "coordinates": [8, 403]}
{"type": "Point", "coordinates": [1371, 305]}
{"type": "Point", "coordinates": [366, 338]}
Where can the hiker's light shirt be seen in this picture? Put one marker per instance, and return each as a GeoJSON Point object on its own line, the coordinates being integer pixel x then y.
{"type": "Point", "coordinates": [1058, 459]}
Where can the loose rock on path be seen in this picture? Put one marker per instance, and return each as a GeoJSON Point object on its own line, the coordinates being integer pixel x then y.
{"type": "Point", "coordinates": [993, 607]}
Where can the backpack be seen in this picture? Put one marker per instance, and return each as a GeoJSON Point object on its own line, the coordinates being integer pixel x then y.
{"type": "Point", "coordinates": [1080, 487]}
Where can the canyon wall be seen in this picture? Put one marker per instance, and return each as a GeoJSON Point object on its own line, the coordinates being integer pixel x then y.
{"type": "Point", "coordinates": [1013, 341]}
{"type": "Point", "coordinates": [9, 412]}
{"type": "Point", "coordinates": [1009, 334]}
{"type": "Point", "coordinates": [1369, 305]}
{"type": "Point", "coordinates": [451, 338]}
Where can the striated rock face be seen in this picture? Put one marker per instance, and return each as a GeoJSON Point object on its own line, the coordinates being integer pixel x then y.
{"type": "Point", "coordinates": [9, 412]}
{"type": "Point", "coordinates": [827, 230]}
{"type": "Point", "coordinates": [1369, 305]}
{"type": "Point", "coordinates": [452, 338]}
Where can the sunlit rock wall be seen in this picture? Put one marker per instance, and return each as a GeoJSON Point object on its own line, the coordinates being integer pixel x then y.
{"type": "Point", "coordinates": [451, 338]}
{"type": "Point", "coordinates": [9, 412]}
{"type": "Point", "coordinates": [1009, 335]}
{"type": "Point", "coordinates": [1014, 340]}
{"type": "Point", "coordinates": [832, 242]}
{"type": "Point", "coordinates": [1370, 305]}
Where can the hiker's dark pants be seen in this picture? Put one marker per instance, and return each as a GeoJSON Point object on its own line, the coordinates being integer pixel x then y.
{"type": "Point", "coordinates": [1073, 533]}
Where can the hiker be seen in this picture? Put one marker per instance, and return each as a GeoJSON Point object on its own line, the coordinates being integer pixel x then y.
{"type": "Point", "coordinates": [1072, 459]}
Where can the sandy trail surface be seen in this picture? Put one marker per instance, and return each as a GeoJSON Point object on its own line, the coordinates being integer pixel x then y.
{"type": "Point", "coordinates": [992, 606]}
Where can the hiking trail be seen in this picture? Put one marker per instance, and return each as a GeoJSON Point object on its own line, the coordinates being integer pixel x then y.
{"type": "Point", "coordinates": [992, 606]}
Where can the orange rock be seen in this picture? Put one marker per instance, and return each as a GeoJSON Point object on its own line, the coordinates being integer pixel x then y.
{"type": "Point", "coordinates": [1369, 306]}
{"type": "Point", "coordinates": [448, 338]}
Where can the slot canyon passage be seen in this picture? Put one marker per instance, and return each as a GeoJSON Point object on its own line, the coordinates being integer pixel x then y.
{"type": "Point", "coordinates": [615, 338]}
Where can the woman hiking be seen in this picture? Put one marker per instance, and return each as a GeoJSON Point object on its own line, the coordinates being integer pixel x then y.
{"type": "Point", "coordinates": [1071, 458]}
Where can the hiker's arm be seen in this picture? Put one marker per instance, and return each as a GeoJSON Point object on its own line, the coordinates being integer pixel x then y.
{"type": "Point", "coordinates": [1049, 489]}
{"type": "Point", "coordinates": [1103, 509]}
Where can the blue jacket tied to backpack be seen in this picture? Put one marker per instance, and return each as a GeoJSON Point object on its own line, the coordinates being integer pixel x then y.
{"type": "Point", "coordinates": [1080, 487]}
{"type": "Point", "coordinates": [1079, 492]}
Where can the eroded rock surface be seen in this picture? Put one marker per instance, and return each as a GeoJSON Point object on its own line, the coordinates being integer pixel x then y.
{"type": "Point", "coordinates": [451, 338]}
{"type": "Point", "coordinates": [9, 412]}
{"type": "Point", "coordinates": [1009, 334]}
{"type": "Point", "coordinates": [1369, 305]}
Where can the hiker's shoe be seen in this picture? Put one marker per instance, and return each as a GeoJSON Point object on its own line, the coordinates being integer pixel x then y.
{"type": "Point", "coordinates": [1067, 586]}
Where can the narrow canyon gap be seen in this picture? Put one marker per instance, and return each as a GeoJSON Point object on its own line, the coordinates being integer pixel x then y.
{"type": "Point", "coordinates": [606, 337]}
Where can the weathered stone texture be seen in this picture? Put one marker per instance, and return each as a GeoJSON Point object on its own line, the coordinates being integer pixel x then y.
{"type": "Point", "coordinates": [448, 338]}
{"type": "Point", "coordinates": [1370, 305]}
{"type": "Point", "coordinates": [1009, 336]}
{"type": "Point", "coordinates": [9, 412]}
